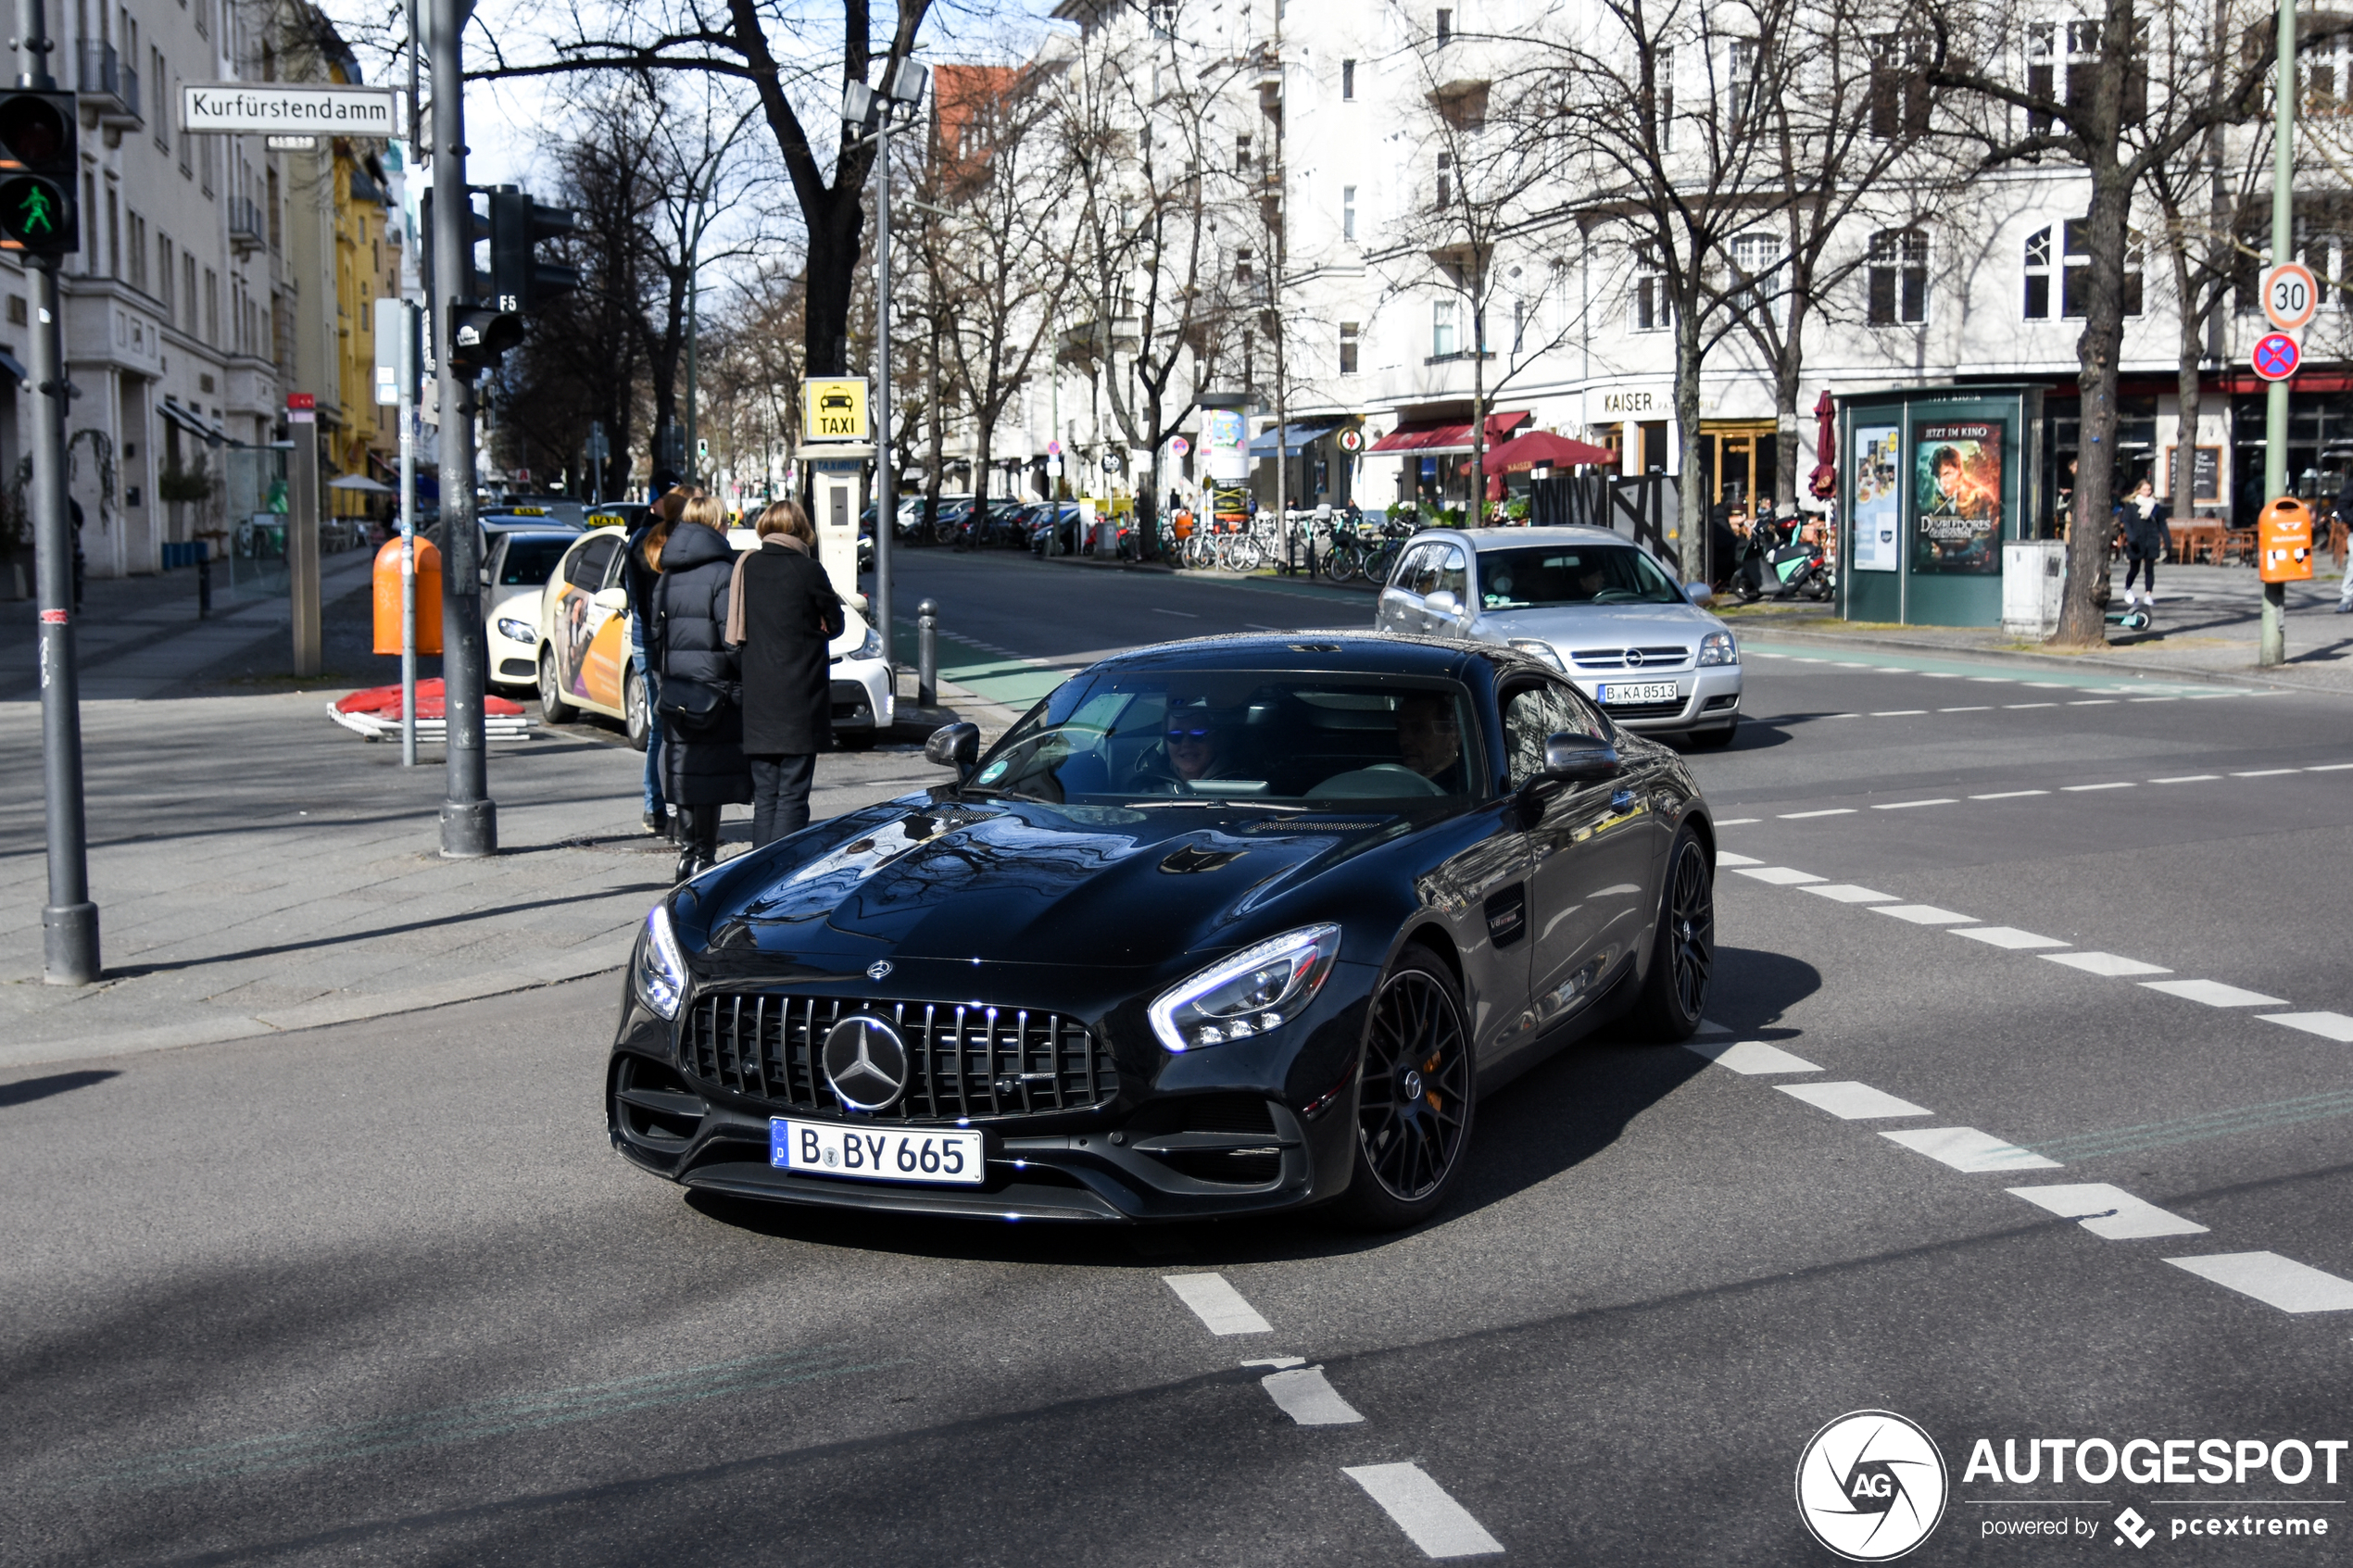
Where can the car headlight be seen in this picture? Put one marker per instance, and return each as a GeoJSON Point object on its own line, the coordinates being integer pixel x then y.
{"type": "Point", "coordinates": [1535, 648]}
{"type": "Point", "coordinates": [517, 630]}
{"type": "Point", "coordinates": [659, 974]}
{"type": "Point", "coordinates": [1258, 989]}
{"type": "Point", "coordinates": [872, 647]}
{"type": "Point", "coordinates": [1718, 648]}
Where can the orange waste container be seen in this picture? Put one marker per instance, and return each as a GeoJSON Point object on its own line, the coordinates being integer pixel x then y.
{"type": "Point", "coordinates": [2284, 538]}
{"type": "Point", "coordinates": [428, 598]}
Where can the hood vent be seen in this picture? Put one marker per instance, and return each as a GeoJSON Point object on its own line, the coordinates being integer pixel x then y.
{"type": "Point", "coordinates": [1193, 857]}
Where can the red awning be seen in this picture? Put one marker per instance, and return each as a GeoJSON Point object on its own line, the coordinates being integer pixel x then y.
{"type": "Point", "coordinates": [1433, 438]}
{"type": "Point", "coordinates": [1523, 453]}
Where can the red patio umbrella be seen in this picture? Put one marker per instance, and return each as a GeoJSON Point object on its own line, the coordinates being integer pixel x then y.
{"type": "Point", "coordinates": [1823, 482]}
{"type": "Point", "coordinates": [1524, 452]}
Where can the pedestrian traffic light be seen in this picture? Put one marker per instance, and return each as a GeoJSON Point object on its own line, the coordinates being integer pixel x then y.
{"type": "Point", "coordinates": [461, 325]}
{"type": "Point", "coordinates": [520, 282]}
{"type": "Point", "coordinates": [40, 152]}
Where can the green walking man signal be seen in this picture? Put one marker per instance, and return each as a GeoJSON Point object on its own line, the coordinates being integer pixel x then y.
{"type": "Point", "coordinates": [40, 146]}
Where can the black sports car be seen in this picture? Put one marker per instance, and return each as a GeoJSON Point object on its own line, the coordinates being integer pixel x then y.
{"type": "Point", "coordinates": [1219, 927]}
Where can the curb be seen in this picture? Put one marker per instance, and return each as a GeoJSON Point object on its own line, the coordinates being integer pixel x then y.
{"type": "Point", "coordinates": [2200, 675]}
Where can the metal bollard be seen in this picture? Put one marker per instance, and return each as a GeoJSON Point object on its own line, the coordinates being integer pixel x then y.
{"type": "Point", "coordinates": [204, 580]}
{"type": "Point", "coordinates": [927, 653]}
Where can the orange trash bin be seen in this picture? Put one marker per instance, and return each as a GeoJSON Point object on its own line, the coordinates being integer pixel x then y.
{"type": "Point", "coordinates": [387, 585]}
{"type": "Point", "coordinates": [2283, 540]}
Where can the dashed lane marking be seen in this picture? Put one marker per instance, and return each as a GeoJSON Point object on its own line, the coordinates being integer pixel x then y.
{"type": "Point", "coordinates": [2008, 936]}
{"type": "Point", "coordinates": [1907, 805]}
{"type": "Point", "coordinates": [1424, 1510]}
{"type": "Point", "coordinates": [1848, 893]}
{"type": "Point", "coordinates": [1994, 680]}
{"type": "Point", "coordinates": [2214, 994]}
{"type": "Point", "coordinates": [2080, 789]}
{"type": "Point", "coordinates": [1309, 1398]}
{"type": "Point", "coordinates": [2273, 1280]}
{"type": "Point", "coordinates": [2011, 794]}
{"type": "Point", "coordinates": [1218, 1305]}
{"type": "Point", "coordinates": [2108, 1211]}
{"type": "Point", "coordinates": [1751, 1058]}
{"type": "Point", "coordinates": [1966, 1149]}
{"type": "Point", "coordinates": [2328, 1025]}
{"type": "Point", "coordinates": [2189, 778]}
{"type": "Point", "coordinates": [2014, 706]}
{"type": "Point", "coordinates": [1832, 811]}
{"type": "Point", "coordinates": [2106, 963]}
{"type": "Point", "coordinates": [1780, 876]}
{"type": "Point", "coordinates": [1738, 823]}
{"type": "Point", "coordinates": [1851, 1101]}
{"type": "Point", "coordinates": [1277, 1362]}
{"type": "Point", "coordinates": [2091, 702]}
{"type": "Point", "coordinates": [1726, 857]}
{"type": "Point", "coordinates": [2267, 772]}
{"type": "Point", "coordinates": [2330, 768]}
{"type": "Point", "coordinates": [1981, 708]}
{"type": "Point", "coordinates": [1899, 713]}
{"type": "Point", "coordinates": [1923, 914]}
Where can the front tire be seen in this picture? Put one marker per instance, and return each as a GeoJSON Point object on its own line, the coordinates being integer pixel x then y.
{"type": "Point", "coordinates": [553, 709]}
{"type": "Point", "coordinates": [1415, 1097]}
{"type": "Point", "coordinates": [1683, 949]}
{"type": "Point", "coordinates": [637, 717]}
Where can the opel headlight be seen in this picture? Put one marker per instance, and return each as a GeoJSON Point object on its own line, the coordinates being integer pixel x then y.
{"type": "Point", "coordinates": [1535, 648]}
{"type": "Point", "coordinates": [1258, 989]}
{"type": "Point", "coordinates": [661, 974]}
{"type": "Point", "coordinates": [1718, 648]}
{"type": "Point", "coordinates": [517, 630]}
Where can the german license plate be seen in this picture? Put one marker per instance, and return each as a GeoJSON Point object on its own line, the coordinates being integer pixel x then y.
{"type": "Point", "coordinates": [1639, 691]}
{"type": "Point", "coordinates": [891, 1154]}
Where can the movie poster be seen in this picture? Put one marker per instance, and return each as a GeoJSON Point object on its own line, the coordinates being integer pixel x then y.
{"type": "Point", "coordinates": [1957, 496]}
{"type": "Point", "coordinates": [1879, 497]}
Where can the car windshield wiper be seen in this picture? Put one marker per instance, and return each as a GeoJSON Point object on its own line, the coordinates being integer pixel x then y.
{"type": "Point", "coordinates": [1007, 794]}
{"type": "Point", "coordinates": [1211, 804]}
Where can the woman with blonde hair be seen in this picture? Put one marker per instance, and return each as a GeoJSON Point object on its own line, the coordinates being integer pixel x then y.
{"type": "Point", "coordinates": [703, 768]}
{"type": "Point", "coordinates": [782, 616]}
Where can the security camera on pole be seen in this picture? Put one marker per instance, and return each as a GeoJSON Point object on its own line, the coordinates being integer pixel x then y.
{"type": "Point", "coordinates": [40, 155]}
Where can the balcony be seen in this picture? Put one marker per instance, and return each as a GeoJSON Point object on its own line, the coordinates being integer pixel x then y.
{"type": "Point", "coordinates": [108, 85]}
{"type": "Point", "coordinates": [245, 225]}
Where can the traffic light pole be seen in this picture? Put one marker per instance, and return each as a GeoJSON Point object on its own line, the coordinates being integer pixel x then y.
{"type": "Point", "coordinates": [69, 920]}
{"type": "Point", "coordinates": [469, 817]}
{"type": "Point", "coordinates": [2271, 639]}
{"type": "Point", "coordinates": [886, 490]}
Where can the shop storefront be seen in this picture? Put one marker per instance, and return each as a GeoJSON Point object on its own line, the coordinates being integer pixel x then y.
{"type": "Point", "coordinates": [1421, 446]}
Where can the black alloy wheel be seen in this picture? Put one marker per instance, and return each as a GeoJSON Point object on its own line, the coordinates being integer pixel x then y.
{"type": "Point", "coordinates": [1414, 1101]}
{"type": "Point", "coordinates": [1684, 957]}
{"type": "Point", "coordinates": [553, 709]}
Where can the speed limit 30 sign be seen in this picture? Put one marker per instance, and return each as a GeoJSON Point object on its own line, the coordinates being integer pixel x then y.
{"type": "Point", "coordinates": [2290, 295]}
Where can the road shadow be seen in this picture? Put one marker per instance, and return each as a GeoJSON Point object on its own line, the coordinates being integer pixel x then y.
{"type": "Point", "coordinates": [1552, 1119]}
{"type": "Point", "coordinates": [24, 1091]}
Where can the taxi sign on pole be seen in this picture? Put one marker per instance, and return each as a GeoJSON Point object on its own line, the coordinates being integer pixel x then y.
{"type": "Point", "coordinates": [2276, 357]}
{"type": "Point", "coordinates": [834, 408]}
{"type": "Point", "coordinates": [2290, 295]}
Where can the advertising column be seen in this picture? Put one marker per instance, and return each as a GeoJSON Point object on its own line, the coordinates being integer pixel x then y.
{"type": "Point", "coordinates": [1225, 440]}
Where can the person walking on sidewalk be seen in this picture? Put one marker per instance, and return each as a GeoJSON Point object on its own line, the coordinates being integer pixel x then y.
{"type": "Point", "coordinates": [702, 758]}
{"type": "Point", "coordinates": [640, 571]}
{"type": "Point", "coordinates": [2146, 541]}
{"type": "Point", "coordinates": [782, 613]}
{"type": "Point", "coordinates": [2345, 515]}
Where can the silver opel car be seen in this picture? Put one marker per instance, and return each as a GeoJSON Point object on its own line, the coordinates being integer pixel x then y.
{"type": "Point", "coordinates": [1584, 599]}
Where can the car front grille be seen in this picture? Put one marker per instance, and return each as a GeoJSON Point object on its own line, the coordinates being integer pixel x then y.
{"type": "Point", "coordinates": [1615, 658]}
{"type": "Point", "coordinates": [967, 1060]}
{"type": "Point", "coordinates": [1645, 709]}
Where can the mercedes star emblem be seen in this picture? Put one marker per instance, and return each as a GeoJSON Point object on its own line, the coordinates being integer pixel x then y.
{"type": "Point", "coordinates": [866, 1063]}
{"type": "Point", "coordinates": [878, 969]}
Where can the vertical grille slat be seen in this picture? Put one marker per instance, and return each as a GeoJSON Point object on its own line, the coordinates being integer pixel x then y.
{"type": "Point", "coordinates": [968, 1060]}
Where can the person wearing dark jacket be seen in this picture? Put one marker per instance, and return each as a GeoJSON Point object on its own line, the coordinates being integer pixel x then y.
{"type": "Point", "coordinates": [2146, 541]}
{"type": "Point", "coordinates": [702, 762]}
{"type": "Point", "coordinates": [784, 612]}
{"type": "Point", "coordinates": [640, 571]}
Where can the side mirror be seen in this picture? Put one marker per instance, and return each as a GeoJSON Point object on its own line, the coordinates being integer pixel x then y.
{"type": "Point", "coordinates": [614, 599]}
{"type": "Point", "coordinates": [1576, 759]}
{"type": "Point", "coordinates": [485, 577]}
{"type": "Point", "coordinates": [1698, 593]}
{"type": "Point", "coordinates": [954, 745]}
{"type": "Point", "coordinates": [1442, 603]}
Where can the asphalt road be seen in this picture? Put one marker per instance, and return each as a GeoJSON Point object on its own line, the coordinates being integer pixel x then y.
{"type": "Point", "coordinates": [382, 1294]}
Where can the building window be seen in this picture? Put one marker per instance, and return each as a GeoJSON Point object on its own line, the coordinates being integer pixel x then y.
{"type": "Point", "coordinates": [114, 234]}
{"type": "Point", "coordinates": [1444, 333]}
{"type": "Point", "coordinates": [1348, 348]}
{"type": "Point", "coordinates": [1740, 78]}
{"type": "Point", "coordinates": [1244, 273]}
{"type": "Point", "coordinates": [1651, 309]}
{"type": "Point", "coordinates": [2328, 74]}
{"type": "Point", "coordinates": [211, 306]}
{"type": "Point", "coordinates": [1348, 81]}
{"type": "Point", "coordinates": [1445, 28]}
{"type": "Point", "coordinates": [1663, 98]}
{"type": "Point", "coordinates": [188, 290]}
{"type": "Point", "coordinates": [1348, 212]}
{"type": "Point", "coordinates": [2042, 56]}
{"type": "Point", "coordinates": [2038, 275]}
{"type": "Point", "coordinates": [1445, 180]}
{"type": "Point", "coordinates": [1899, 89]}
{"type": "Point", "coordinates": [160, 80]}
{"type": "Point", "coordinates": [2074, 267]}
{"type": "Point", "coordinates": [1241, 152]}
{"type": "Point", "coordinates": [1163, 18]}
{"type": "Point", "coordinates": [2324, 253]}
{"type": "Point", "coordinates": [1898, 277]}
{"type": "Point", "coordinates": [1757, 260]}
{"type": "Point", "coordinates": [138, 252]}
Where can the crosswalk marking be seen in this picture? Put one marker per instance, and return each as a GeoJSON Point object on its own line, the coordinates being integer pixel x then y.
{"type": "Point", "coordinates": [2008, 936]}
{"type": "Point", "coordinates": [1308, 1397]}
{"type": "Point", "coordinates": [2108, 1211]}
{"type": "Point", "coordinates": [1921, 914]}
{"type": "Point", "coordinates": [1851, 1101]}
{"type": "Point", "coordinates": [2273, 1280]}
{"type": "Point", "coordinates": [1423, 1509]}
{"type": "Point", "coordinates": [1750, 1058]}
{"type": "Point", "coordinates": [1218, 1305]}
{"type": "Point", "coordinates": [1848, 893]}
{"type": "Point", "coordinates": [1779, 876]}
{"type": "Point", "coordinates": [1966, 1149]}
{"type": "Point", "coordinates": [2106, 963]}
{"type": "Point", "coordinates": [2213, 993]}
{"type": "Point", "coordinates": [2328, 1025]}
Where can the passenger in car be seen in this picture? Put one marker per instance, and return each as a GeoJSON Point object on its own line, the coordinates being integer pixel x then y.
{"type": "Point", "coordinates": [1429, 741]}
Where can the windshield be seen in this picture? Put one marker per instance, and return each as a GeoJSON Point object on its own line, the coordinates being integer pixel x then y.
{"type": "Point", "coordinates": [1239, 737]}
{"type": "Point", "coordinates": [1539, 576]}
{"type": "Point", "coordinates": [530, 560]}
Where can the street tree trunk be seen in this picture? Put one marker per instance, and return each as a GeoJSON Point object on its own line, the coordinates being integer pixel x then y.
{"type": "Point", "coordinates": [1690, 506]}
{"type": "Point", "coordinates": [2083, 622]}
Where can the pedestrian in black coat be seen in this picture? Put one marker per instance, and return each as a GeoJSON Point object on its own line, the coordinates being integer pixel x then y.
{"type": "Point", "coordinates": [783, 614]}
{"type": "Point", "coordinates": [702, 761]}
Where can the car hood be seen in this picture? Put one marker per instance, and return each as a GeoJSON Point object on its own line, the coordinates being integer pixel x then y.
{"type": "Point", "coordinates": [1602, 625]}
{"type": "Point", "coordinates": [521, 602]}
{"type": "Point", "coordinates": [933, 877]}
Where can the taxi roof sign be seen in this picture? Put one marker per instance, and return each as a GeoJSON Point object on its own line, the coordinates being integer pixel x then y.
{"type": "Point", "coordinates": [834, 408]}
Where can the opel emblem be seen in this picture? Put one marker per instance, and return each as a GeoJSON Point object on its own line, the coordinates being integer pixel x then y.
{"type": "Point", "coordinates": [878, 969]}
{"type": "Point", "coordinates": [1633, 659]}
{"type": "Point", "coordinates": [866, 1063]}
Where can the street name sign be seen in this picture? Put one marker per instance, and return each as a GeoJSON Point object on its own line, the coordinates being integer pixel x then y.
{"type": "Point", "coordinates": [2290, 295]}
{"type": "Point", "coordinates": [2275, 356]}
{"type": "Point", "coordinates": [289, 109]}
{"type": "Point", "coordinates": [834, 408]}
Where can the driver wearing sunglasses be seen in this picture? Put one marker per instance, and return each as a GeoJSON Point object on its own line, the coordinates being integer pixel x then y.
{"type": "Point", "coordinates": [1193, 743]}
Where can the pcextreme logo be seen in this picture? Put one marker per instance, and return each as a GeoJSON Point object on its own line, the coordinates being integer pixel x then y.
{"type": "Point", "coordinates": [1871, 1486]}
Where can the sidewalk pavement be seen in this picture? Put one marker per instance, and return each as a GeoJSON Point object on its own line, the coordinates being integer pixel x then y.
{"type": "Point", "coordinates": [259, 869]}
